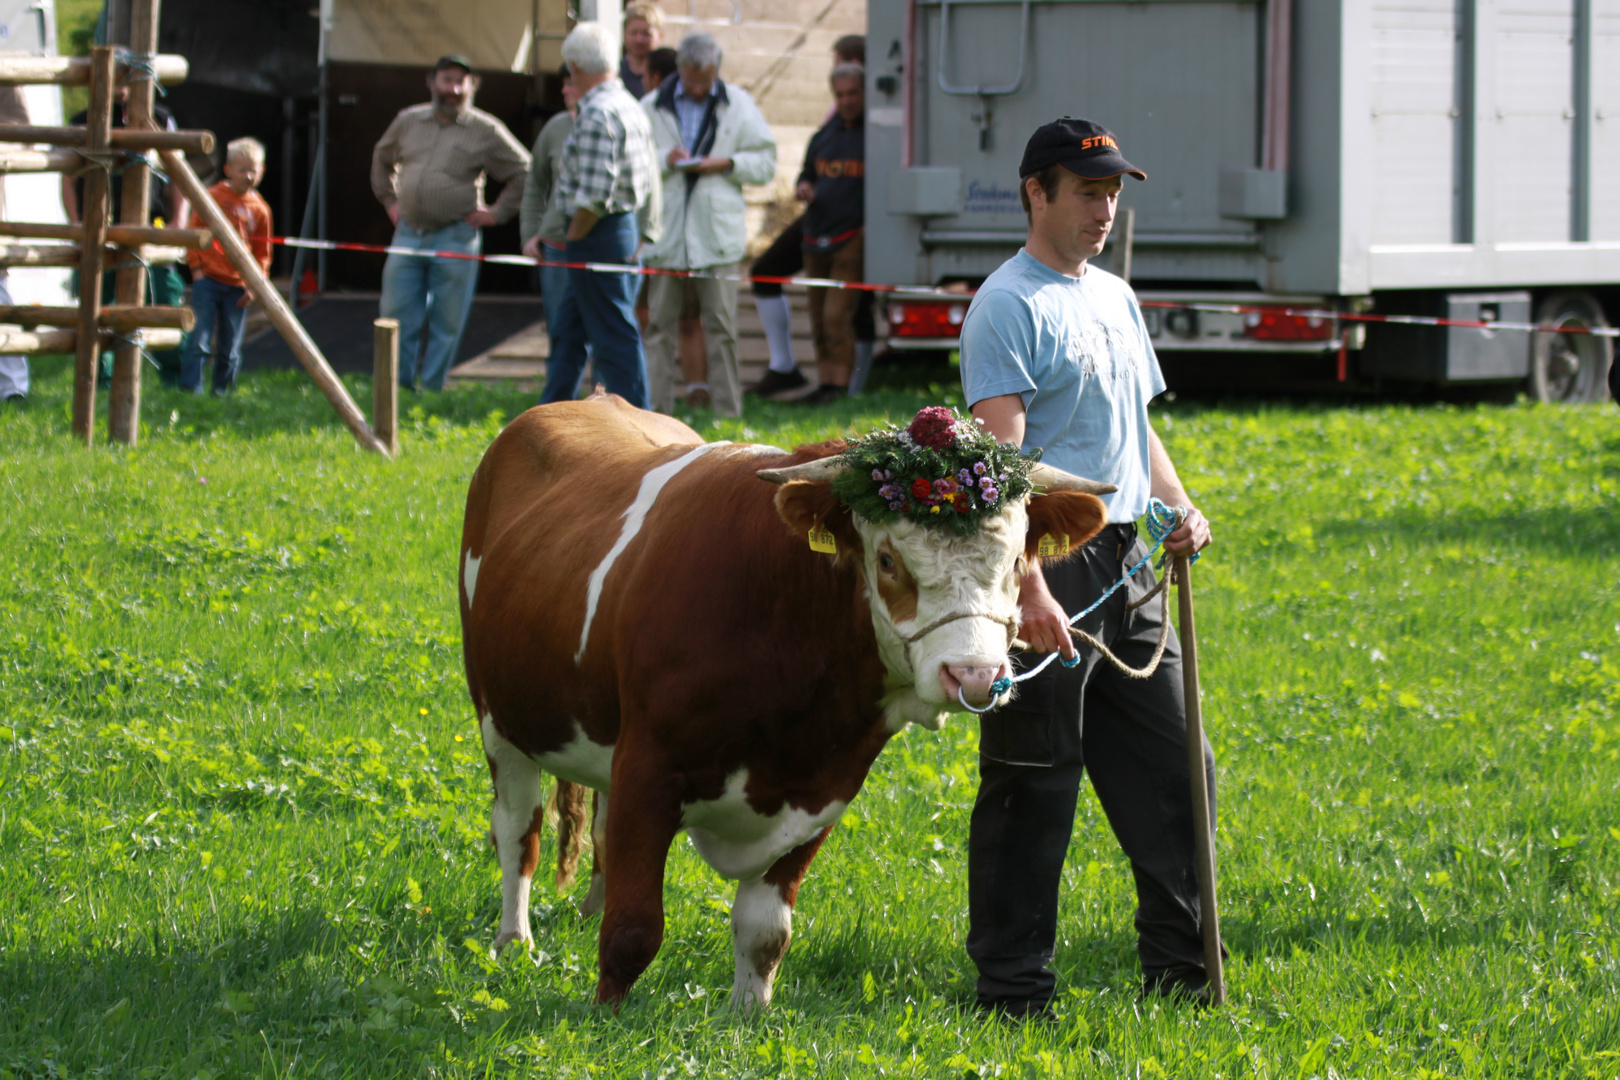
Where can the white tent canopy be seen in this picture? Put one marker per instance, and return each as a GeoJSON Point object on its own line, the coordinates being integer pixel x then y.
{"type": "Point", "coordinates": [496, 35]}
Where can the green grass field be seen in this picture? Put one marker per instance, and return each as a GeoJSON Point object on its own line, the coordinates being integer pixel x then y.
{"type": "Point", "coordinates": [242, 800]}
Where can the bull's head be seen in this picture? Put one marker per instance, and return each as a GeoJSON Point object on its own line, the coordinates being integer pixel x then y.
{"type": "Point", "coordinates": [944, 606]}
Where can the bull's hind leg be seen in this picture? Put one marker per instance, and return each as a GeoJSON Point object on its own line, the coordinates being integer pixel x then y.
{"type": "Point", "coordinates": [596, 898]}
{"type": "Point", "coordinates": [762, 923]}
{"type": "Point", "coordinates": [514, 828]}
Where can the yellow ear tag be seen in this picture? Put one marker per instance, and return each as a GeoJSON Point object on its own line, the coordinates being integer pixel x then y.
{"type": "Point", "coordinates": [1050, 546]}
{"type": "Point", "coordinates": [822, 539]}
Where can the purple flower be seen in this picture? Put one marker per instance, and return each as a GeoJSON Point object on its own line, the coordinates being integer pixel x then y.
{"type": "Point", "coordinates": [985, 482]}
{"type": "Point", "coordinates": [979, 469]}
{"type": "Point", "coordinates": [964, 478]}
{"type": "Point", "coordinates": [896, 504]}
{"type": "Point", "coordinates": [877, 474]}
{"type": "Point", "coordinates": [989, 494]}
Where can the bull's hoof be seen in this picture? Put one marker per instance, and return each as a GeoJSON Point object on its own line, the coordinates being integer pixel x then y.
{"type": "Point", "coordinates": [596, 899]}
{"type": "Point", "coordinates": [506, 937]}
{"type": "Point", "coordinates": [750, 999]}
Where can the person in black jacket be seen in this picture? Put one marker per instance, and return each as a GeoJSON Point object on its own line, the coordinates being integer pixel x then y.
{"type": "Point", "coordinates": [785, 258]}
{"type": "Point", "coordinates": [834, 183]}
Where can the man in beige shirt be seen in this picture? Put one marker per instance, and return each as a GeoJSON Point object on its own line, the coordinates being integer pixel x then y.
{"type": "Point", "coordinates": [429, 171]}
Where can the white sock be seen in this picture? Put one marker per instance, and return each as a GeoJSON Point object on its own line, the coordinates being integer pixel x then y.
{"type": "Point", "coordinates": [777, 317]}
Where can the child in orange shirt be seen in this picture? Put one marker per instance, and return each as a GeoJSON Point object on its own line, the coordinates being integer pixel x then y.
{"type": "Point", "coordinates": [217, 294]}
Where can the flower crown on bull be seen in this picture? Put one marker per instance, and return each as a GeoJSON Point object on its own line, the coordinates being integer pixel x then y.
{"type": "Point", "coordinates": [942, 470]}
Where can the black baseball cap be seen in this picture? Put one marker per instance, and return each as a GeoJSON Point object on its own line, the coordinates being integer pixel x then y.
{"type": "Point", "coordinates": [453, 60]}
{"type": "Point", "coordinates": [1085, 148]}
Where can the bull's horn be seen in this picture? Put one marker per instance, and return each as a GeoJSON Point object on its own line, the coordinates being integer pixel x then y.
{"type": "Point", "coordinates": [822, 470]}
{"type": "Point", "coordinates": [1049, 479]}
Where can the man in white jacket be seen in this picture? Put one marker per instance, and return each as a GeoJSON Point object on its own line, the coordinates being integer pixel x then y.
{"type": "Point", "coordinates": [712, 139]}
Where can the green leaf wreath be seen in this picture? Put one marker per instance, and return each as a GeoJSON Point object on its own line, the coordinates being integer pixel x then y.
{"type": "Point", "coordinates": [943, 470]}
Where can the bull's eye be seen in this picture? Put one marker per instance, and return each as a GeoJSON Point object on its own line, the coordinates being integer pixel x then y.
{"type": "Point", "coordinates": [886, 563]}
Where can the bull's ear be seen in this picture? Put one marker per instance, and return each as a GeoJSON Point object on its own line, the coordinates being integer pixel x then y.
{"type": "Point", "coordinates": [804, 504]}
{"type": "Point", "coordinates": [1064, 513]}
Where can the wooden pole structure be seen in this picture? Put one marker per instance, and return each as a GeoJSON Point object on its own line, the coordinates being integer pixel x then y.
{"type": "Point", "coordinates": [190, 142]}
{"type": "Point", "coordinates": [122, 235]}
{"type": "Point", "coordinates": [1126, 242]}
{"type": "Point", "coordinates": [385, 383]}
{"type": "Point", "coordinates": [124, 404]}
{"type": "Point", "coordinates": [56, 342]}
{"type": "Point", "coordinates": [38, 161]}
{"type": "Point", "coordinates": [18, 255]}
{"type": "Point", "coordinates": [1203, 827]}
{"type": "Point", "coordinates": [75, 70]}
{"type": "Point", "coordinates": [98, 135]}
{"type": "Point", "coordinates": [38, 255]}
{"type": "Point", "coordinates": [123, 320]}
{"type": "Point", "coordinates": [281, 316]}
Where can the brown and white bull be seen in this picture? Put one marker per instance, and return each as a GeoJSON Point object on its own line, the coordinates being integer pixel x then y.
{"type": "Point", "coordinates": [642, 616]}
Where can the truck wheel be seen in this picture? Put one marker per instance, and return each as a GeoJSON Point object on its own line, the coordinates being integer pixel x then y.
{"type": "Point", "coordinates": [1569, 367]}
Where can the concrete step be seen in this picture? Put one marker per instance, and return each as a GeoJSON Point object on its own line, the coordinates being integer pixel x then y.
{"type": "Point", "coordinates": [522, 356]}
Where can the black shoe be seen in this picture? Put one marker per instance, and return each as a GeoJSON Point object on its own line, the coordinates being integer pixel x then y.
{"type": "Point", "coordinates": [1020, 1012]}
{"type": "Point", "coordinates": [779, 382]}
{"type": "Point", "coordinates": [826, 394]}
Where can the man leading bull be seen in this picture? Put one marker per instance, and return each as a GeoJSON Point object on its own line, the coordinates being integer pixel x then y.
{"type": "Point", "coordinates": [1055, 355]}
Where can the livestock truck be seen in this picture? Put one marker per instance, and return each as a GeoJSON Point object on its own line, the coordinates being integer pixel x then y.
{"type": "Point", "coordinates": [1450, 158]}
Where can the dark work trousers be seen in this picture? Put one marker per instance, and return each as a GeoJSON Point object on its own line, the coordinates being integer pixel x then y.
{"type": "Point", "coordinates": [785, 258]}
{"type": "Point", "coordinates": [1131, 734]}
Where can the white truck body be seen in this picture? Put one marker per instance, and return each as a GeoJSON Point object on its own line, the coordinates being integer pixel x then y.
{"type": "Point", "coordinates": [1408, 156]}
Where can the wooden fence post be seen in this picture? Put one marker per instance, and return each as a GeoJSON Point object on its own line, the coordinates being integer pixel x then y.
{"type": "Point", "coordinates": [1123, 245]}
{"type": "Point", "coordinates": [385, 383]}
{"type": "Point", "coordinates": [124, 406]}
{"type": "Point", "coordinates": [92, 248]}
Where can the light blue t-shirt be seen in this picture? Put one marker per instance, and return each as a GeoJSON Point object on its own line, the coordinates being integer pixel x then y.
{"type": "Point", "coordinates": [1076, 351]}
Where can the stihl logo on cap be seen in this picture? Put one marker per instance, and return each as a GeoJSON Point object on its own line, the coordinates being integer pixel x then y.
{"type": "Point", "coordinates": [1098, 141]}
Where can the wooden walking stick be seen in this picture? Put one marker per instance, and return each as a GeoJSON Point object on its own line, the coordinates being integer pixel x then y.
{"type": "Point", "coordinates": [1203, 830]}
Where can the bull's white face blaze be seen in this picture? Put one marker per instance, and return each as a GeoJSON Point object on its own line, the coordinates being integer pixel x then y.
{"type": "Point", "coordinates": [916, 576]}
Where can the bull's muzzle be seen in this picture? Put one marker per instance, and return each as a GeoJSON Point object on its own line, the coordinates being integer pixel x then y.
{"type": "Point", "coordinates": [969, 681]}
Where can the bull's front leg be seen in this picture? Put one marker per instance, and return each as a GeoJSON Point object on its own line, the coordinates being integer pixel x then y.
{"type": "Point", "coordinates": [646, 815]}
{"type": "Point", "coordinates": [762, 923]}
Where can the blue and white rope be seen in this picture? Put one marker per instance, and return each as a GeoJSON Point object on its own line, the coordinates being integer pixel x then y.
{"type": "Point", "coordinates": [1161, 521]}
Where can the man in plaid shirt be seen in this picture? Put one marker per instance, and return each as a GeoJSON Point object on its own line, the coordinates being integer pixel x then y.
{"type": "Point", "coordinates": [608, 181]}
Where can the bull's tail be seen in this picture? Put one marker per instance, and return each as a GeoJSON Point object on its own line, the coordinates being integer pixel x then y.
{"type": "Point", "coordinates": [568, 807]}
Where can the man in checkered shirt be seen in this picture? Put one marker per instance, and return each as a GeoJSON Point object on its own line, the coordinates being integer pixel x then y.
{"type": "Point", "coordinates": [608, 181]}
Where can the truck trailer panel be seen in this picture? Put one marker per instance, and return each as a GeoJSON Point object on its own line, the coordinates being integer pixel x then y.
{"type": "Point", "coordinates": [1370, 152]}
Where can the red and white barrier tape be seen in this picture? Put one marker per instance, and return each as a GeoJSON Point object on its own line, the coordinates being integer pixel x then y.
{"type": "Point", "coordinates": [617, 268]}
{"type": "Point", "coordinates": [927, 290]}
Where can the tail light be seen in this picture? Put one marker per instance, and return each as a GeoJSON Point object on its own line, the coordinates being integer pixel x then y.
{"type": "Point", "coordinates": [1279, 325]}
{"type": "Point", "coordinates": [927, 318]}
